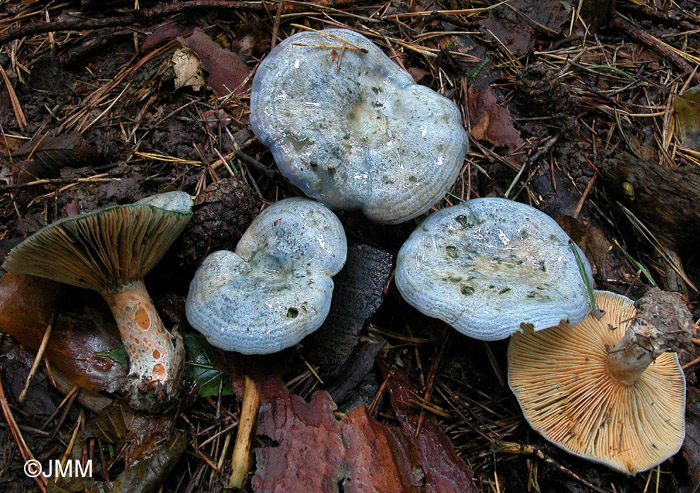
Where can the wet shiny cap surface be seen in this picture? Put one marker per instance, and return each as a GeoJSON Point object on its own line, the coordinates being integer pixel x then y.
{"type": "Point", "coordinates": [350, 128]}
{"type": "Point", "coordinates": [489, 267]}
{"type": "Point", "coordinates": [276, 288]}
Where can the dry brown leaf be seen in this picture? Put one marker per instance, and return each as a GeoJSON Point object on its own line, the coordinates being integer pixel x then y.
{"type": "Point", "coordinates": [45, 155]}
{"type": "Point", "coordinates": [27, 308]}
{"type": "Point", "coordinates": [26, 303]}
{"type": "Point", "coordinates": [589, 238]}
{"type": "Point", "coordinates": [491, 122]}
{"type": "Point", "coordinates": [445, 471]}
{"type": "Point", "coordinates": [163, 34]}
{"type": "Point", "coordinates": [188, 69]}
{"type": "Point", "coordinates": [687, 108]}
{"type": "Point", "coordinates": [252, 40]}
{"type": "Point", "coordinates": [227, 72]}
{"type": "Point", "coordinates": [509, 30]}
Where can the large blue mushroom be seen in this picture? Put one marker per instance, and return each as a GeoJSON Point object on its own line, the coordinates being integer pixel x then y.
{"type": "Point", "coordinates": [350, 127]}
{"type": "Point", "coordinates": [490, 266]}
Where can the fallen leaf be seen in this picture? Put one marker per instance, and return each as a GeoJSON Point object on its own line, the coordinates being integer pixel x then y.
{"type": "Point", "coordinates": [552, 14]}
{"type": "Point", "coordinates": [145, 476]}
{"type": "Point", "coordinates": [14, 365]}
{"type": "Point", "coordinates": [188, 69]}
{"type": "Point", "coordinates": [510, 31]}
{"type": "Point", "coordinates": [27, 303]}
{"type": "Point", "coordinates": [136, 435]}
{"type": "Point", "coordinates": [251, 40]}
{"type": "Point", "coordinates": [308, 450]}
{"type": "Point", "coordinates": [149, 474]}
{"type": "Point", "coordinates": [687, 109]}
{"type": "Point", "coordinates": [417, 73]}
{"type": "Point", "coordinates": [163, 34]}
{"type": "Point", "coordinates": [199, 364]}
{"type": "Point", "coordinates": [378, 456]}
{"type": "Point", "coordinates": [226, 70]}
{"type": "Point", "coordinates": [8, 145]}
{"type": "Point", "coordinates": [44, 156]}
{"type": "Point", "coordinates": [444, 470]}
{"type": "Point", "coordinates": [589, 239]}
{"type": "Point", "coordinates": [491, 122]}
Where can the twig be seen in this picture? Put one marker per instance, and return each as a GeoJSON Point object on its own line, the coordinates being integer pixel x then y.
{"type": "Point", "coordinates": [241, 449]}
{"type": "Point", "coordinates": [430, 383]}
{"type": "Point", "coordinates": [50, 181]}
{"type": "Point", "coordinates": [40, 480]}
{"type": "Point", "coordinates": [148, 16]}
{"type": "Point", "coordinates": [16, 107]}
{"type": "Point", "coordinates": [37, 362]}
{"type": "Point", "coordinates": [672, 19]}
{"type": "Point", "coordinates": [654, 44]}
{"type": "Point", "coordinates": [584, 195]}
{"type": "Point", "coordinates": [524, 449]}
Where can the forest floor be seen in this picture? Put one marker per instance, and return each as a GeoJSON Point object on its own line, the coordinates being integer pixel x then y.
{"type": "Point", "coordinates": [570, 110]}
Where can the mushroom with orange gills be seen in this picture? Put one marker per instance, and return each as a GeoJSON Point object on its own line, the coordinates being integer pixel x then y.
{"type": "Point", "coordinates": [608, 389]}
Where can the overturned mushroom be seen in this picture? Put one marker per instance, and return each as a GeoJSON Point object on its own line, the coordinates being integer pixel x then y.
{"type": "Point", "coordinates": [350, 127]}
{"type": "Point", "coordinates": [276, 288]}
{"type": "Point", "coordinates": [606, 389]}
{"type": "Point", "coordinates": [490, 266]}
{"type": "Point", "coordinates": [110, 251]}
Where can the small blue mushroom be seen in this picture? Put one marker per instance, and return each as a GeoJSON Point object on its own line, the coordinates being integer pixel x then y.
{"type": "Point", "coordinates": [276, 288]}
{"type": "Point", "coordinates": [490, 266]}
{"type": "Point", "coordinates": [350, 127]}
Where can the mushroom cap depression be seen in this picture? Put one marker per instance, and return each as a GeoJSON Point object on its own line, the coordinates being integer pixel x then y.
{"type": "Point", "coordinates": [560, 379]}
{"type": "Point", "coordinates": [276, 288]}
{"type": "Point", "coordinates": [489, 267]}
{"type": "Point", "coordinates": [104, 249]}
{"type": "Point", "coordinates": [350, 127]}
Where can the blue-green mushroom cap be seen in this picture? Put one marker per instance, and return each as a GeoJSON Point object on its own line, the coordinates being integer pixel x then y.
{"type": "Point", "coordinates": [490, 266]}
{"type": "Point", "coordinates": [277, 286]}
{"type": "Point", "coordinates": [350, 127]}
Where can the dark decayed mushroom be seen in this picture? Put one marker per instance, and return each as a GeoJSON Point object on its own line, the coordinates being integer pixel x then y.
{"type": "Point", "coordinates": [607, 389]}
{"type": "Point", "coordinates": [110, 251]}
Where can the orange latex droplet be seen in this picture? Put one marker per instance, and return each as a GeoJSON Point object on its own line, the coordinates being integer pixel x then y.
{"type": "Point", "coordinates": [142, 319]}
{"type": "Point", "coordinates": [159, 372]}
{"type": "Point", "coordinates": [156, 354]}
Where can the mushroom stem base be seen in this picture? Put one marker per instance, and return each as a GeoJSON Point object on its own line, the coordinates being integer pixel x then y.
{"type": "Point", "coordinates": [662, 323]}
{"type": "Point", "coordinates": [628, 359]}
{"type": "Point", "coordinates": [156, 357]}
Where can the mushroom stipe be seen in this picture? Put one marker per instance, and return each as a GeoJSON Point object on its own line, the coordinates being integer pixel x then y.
{"type": "Point", "coordinates": [110, 251]}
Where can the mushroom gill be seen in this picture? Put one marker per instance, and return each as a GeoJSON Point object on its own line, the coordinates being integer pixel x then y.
{"type": "Point", "coordinates": [562, 383]}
